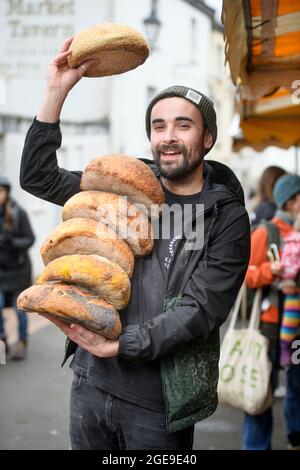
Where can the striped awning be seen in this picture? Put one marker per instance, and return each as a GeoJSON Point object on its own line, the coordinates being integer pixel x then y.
{"type": "Point", "coordinates": [262, 44]}
{"type": "Point", "coordinates": [271, 120]}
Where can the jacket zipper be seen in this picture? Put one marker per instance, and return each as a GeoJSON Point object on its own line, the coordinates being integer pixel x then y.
{"type": "Point", "coordinates": [166, 401]}
{"type": "Point", "coordinates": [182, 240]}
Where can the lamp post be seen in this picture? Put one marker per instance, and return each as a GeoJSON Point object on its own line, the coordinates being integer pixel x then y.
{"type": "Point", "coordinates": [152, 25]}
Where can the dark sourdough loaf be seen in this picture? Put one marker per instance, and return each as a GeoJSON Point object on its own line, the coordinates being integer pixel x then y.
{"type": "Point", "coordinates": [127, 221]}
{"type": "Point", "coordinates": [116, 48]}
{"type": "Point", "coordinates": [72, 305]}
{"type": "Point", "coordinates": [87, 237]}
{"type": "Point", "coordinates": [92, 272]}
{"type": "Point", "coordinates": [126, 176]}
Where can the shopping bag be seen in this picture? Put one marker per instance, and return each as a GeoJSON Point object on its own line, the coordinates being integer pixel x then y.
{"type": "Point", "coordinates": [244, 366]}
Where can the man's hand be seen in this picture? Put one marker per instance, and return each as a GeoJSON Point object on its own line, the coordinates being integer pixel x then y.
{"type": "Point", "coordinates": [61, 79]}
{"type": "Point", "coordinates": [94, 343]}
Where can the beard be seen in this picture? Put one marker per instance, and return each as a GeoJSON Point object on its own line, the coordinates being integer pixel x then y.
{"type": "Point", "coordinates": [184, 168]}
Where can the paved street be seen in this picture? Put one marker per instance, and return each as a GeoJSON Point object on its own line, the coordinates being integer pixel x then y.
{"type": "Point", "coordinates": [34, 401]}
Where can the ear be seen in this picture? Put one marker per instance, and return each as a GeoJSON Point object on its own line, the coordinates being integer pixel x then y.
{"type": "Point", "coordinates": [208, 140]}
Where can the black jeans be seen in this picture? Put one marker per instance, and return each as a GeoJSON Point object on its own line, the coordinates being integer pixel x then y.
{"type": "Point", "coordinates": [100, 421]}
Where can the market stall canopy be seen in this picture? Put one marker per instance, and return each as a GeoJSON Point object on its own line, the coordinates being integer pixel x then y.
{"type": "Point", "coordinates": [271, 120]}
{"type": "Point", "coordinates": [262, 44]}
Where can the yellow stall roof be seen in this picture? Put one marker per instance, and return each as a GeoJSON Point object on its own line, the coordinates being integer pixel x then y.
{"type": "Point", "coordinates": [262, 36]}
{"type": "Point", "coordinates": [262, 46]}
{"type": "Point", "coordinates": [271, 120]}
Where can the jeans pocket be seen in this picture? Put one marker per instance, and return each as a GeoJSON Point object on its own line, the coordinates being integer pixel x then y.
{"type": "Point", "coordinates": [78, 379]}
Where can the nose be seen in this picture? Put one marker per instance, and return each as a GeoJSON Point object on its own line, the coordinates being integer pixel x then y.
{"type": "Point", "coordinates": [169, 135]}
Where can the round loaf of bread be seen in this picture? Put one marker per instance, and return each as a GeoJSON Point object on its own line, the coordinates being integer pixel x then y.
{"type": "Point", "coordinates": [124, 218]}
{"type": "Point", "coordinates": [72, 305]}
{"type": "Point", "coordinates": [117, 48]}
{"type": "Point", "coordinates": [126, 176]}
{"type": "Point", "coordinates": [87, 237]}
{"type": "Point", "coordinates": [92, 272]}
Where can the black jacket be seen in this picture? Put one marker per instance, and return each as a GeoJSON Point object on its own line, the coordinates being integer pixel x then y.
{"type": "Point", "coordinates": [201, 288]}
{"type": "Point", "coordinates": [15, 266]}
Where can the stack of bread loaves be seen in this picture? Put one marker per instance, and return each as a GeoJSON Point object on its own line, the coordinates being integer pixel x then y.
{"type": "Point", "coordinates": [89, 258]}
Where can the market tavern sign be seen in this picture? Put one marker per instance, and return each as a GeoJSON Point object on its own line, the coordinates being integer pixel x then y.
{"type": "Point", "coordinates": [18, 10]}
{"type": "Point", "coordinates": [31, 33]}
{"type": "Point", "coordinates": [43, 7]}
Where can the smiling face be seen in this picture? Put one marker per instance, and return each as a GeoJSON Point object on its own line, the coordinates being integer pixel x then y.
{"type": "Point", "coordinates": [178, 137]}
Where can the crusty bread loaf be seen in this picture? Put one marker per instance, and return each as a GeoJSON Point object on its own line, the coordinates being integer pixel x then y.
{"type": "Point", "coordinates": [87, 237]}
{"type": "Point", "coordinates": [124, 218]}
{"type": "Point", "coordinates": [117, 49]}
{"type": "Point", "coordinates": [92, 272]}
{"type": "Point", "coordinates": [126, 176]}
{"type": "Point", "coordinates": [72, 305]}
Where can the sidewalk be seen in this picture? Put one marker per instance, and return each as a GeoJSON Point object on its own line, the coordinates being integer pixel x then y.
{"type": "Point", "coordinates": [34, 393]}
{"type": "Point", "coordinates": [34, 397]}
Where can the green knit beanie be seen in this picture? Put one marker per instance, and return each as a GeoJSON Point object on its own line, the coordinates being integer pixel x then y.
{"type": "Point", "coordinates": [201, 101]}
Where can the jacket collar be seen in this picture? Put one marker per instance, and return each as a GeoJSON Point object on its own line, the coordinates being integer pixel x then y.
{"type": "Point", "coordinates": [220, 183]}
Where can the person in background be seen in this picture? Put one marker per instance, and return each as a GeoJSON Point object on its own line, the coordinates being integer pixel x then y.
{"type": "Point", "coordinates": [257, 430]}
{"type": "Point", "coordinates": [264, 206]}
{"type": "Point", "coordinates": [16, 237]}
{"type": "Point", "coordinates": [290, 286]}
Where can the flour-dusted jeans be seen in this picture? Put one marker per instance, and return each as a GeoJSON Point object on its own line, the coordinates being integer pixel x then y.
{"type": "Point", "coordinates": [100, 421]}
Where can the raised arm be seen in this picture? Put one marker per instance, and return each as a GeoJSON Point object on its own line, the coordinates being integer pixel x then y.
{"type": "Point", "coordinates": [40, 174]}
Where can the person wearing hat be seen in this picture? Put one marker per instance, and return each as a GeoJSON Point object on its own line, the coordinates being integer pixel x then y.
{"type": "Point", "coordinates": [147, 389]}
{"type": "Point", "coordinates": [16, 237]}
{"type": "Point", "coordinates": [264, 207]}
{"type": "Point", "coordinates": [266, 273]}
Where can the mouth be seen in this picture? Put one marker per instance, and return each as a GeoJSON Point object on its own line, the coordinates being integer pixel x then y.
{"type": "Point", "coordinates": [169, 155]}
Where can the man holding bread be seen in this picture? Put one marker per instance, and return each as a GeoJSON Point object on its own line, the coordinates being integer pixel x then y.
{"type": "Point", "coordinates": [148, 388]}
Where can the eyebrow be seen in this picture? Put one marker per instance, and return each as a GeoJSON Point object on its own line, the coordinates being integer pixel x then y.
{"type": "Point", "coordinates": [179, 118]}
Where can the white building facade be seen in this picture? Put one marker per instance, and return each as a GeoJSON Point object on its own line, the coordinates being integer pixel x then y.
{"type": "Point", "coordinates": [101, 115]}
